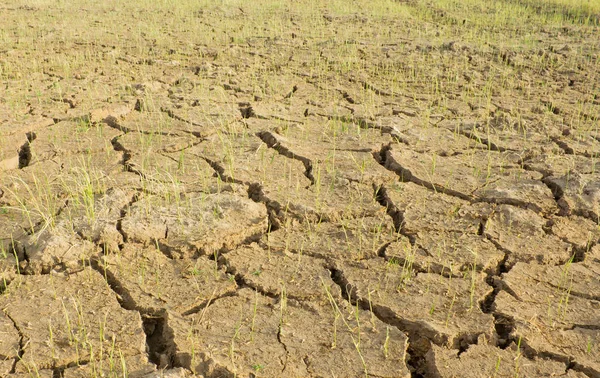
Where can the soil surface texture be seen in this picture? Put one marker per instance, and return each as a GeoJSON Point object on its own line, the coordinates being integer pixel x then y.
{"type": "Point", "coordinates": [299, 188]}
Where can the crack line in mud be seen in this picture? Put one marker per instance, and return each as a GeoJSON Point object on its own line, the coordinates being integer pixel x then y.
{"type": "Point", "coordinates": [571, 364]}
{"type": "Point", "coordinates": [486, 142]}
{"type": "Point", "coordinates": [122, 214]}
{"type": "Point", "coordinates": [392, 210]}
{"type": "Point", "coordinates": [220, 171]}
{"type": "Point", "coordinates": [22, 343]}
{"type": "Point", "coordinates": [407, 176]}
{"type": "Point", "coordinates": [571, 292]}
{"type": "Point", "coordinates": [25, 150]}
{"type": "Point", "coordinates": [419, 342]}
{"type": "Point", "coordinates": [287, 353]}
{"type": "Point", "coordinates": [202, 307]}
{"type": "Point", "coordinates": [563, 146]}
{"type": "Point", "coordinates": [114, 123]}
{"type": "Point", "coordinates": [241, 282]}
{"type": "Point", "coordinates": [271, 141]}
{"type": "Point", "coordinates": [254, 192]}
{"type": "Point", "coordinates": [379, 92]}
{"type": "Point", "coordinates": [159, 336]}
{"type": "Point", "coordinates": [118, 147]}
{"type": "Point", "coordinates": [170, 113]}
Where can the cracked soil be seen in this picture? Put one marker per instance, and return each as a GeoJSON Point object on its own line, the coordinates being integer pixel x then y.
{"type": "Point", "coordinates": [299, 189]}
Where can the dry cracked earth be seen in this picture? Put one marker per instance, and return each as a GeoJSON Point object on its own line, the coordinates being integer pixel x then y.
{"type": "Point", "coordinates": [352, 195]}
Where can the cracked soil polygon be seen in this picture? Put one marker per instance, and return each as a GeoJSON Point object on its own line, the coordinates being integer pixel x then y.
{"type": "Point", "coordinates": [236, 334]}
{"type": "Point", "coordinates": [68, 319]}
{"type": "Point", "coordinates": [195, 223]}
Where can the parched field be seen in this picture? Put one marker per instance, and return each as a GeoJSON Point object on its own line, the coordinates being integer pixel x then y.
{"type": "Point", "coordinates": [299, 188]}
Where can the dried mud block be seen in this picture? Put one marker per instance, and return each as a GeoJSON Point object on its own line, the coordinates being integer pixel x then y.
{"type": "Point", "coordinates": [295, 276]}
{"type": "Point", "coordinates": [579, 279]}
{"type": "Point", "coordinates": [484, 175]}
{"type": "Point", "coordinates": [40, 190]}
{"type": "Point", "coordinates": [336, 201]}
{"type": "Point", "coordinates": [565, 296]}
{"type": "Point", "coordinates": [579, 194]}
{"type": "Point", "coordinates": [28, 124]}
{"type": "Point", "coordinates": [251, 334]}
{"type": "Point", "coordinates": [351, 166]}
{"type": "Point", "coordinates": [195, 223]}
{"type": "Point", "coordinates": [244, 157]}
{"type": "Point", "coordinates": [560, 316]}
{"type": "Point", "coordinates": [561, 164]}
{"type": "Point", "coordinates": [337, 151]}
{"type": "Point", "coordinates": [435, 140]}
{"type": "Point", "coordinates": [489, 361]}
{"type": "Point", "coordinates": [56, 247]}
{"type": "Point", "coordinates": [289, 184]}
{"type": "Point", "coordinates": [579, 144]}
{"type": "Point", "coordinates": [577, 230]}
{"type": "Point", "coordinates": [272, 111]}
{"type": "Point", "coordinates": [148, 87]}
{"type": "Point", "coordinates": [333, 109]}
{"type": "Point", "coordinates": [91, 169]}
{"type": "Point", "coordinates": [330, 201]}
{"type": "Point", "coordinates": [447, 253]}
{"type": "Point", "coordinates": [55, 109]}
{"type": "Point", "coordinates": [426, 210]}
{"type": "Point", "coordinates": [272, 178]}
{"type": "Point", "coordinates": [208, 116]}
{"type": "Point", "coordinates": [69, 320]}
{"type": "Point", "coordinates": [153, 282]}
{"type": "Point", "coordinates": [150, 101]}
{"type": "Point", "coordinates": [444, 310]}
{"type": "Point", "coordinates": [143, 144]}
{"type": "Point", "coordinates": [136, 366]}
{"type": "Point", "coordinates": [170, 373]}
{"type": "Point", "coordinates": [529, 193]}
{"type": "Point", "coordinates": [91, 214]}
{"type": "Point", "coordinates": [593, 255]}
{"type": "Point", "coordinates": [167, 161]}
{"type": "Point", "coordinates": [14, 224]}
{"type": "Point", "coordinates": [579, 346]}
{"type": "Point", "coordinates": [33, 187]}
{"type": "Point", "coordinates": [117, 110]}
{"type": "Point", "coordinates": [8, 267]}
{"type": "Point", "coordinates": [319, 140]}
{"type": "Point", "coordinates": [324, 201]}
{"type": "Point", "coordinates": [352, 239]}
{"type": "Point", "coordinates": [522, 233]}
{"type": "Point", "coordinates": [503, 132]}
{"type": "Point", "coordinates": [97, 222]}
{"type": "Point", "coordinates": [70, 138]}
{"type": "Point", "coordinates": [160, 123]}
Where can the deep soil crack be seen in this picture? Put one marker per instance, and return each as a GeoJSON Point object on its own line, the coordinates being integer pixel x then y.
{"type": "Point", "coordinates": [531, 353]}
{"type": "Point", "coordinates": [419, 337]}
{"type": "Point", "coordinates": [159, 336]}
{"type": "Point", "coordinates": [271, 141]}
{"type": "Point", "coordinates": [25, 150]}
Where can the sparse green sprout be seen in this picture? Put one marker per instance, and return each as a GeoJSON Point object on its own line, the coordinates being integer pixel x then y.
{"type": "Point", "coordinates": [386, 344]}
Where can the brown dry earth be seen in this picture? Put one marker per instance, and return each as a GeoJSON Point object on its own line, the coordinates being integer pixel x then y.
{"type": "Point", "coordinates": [254, 209]}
